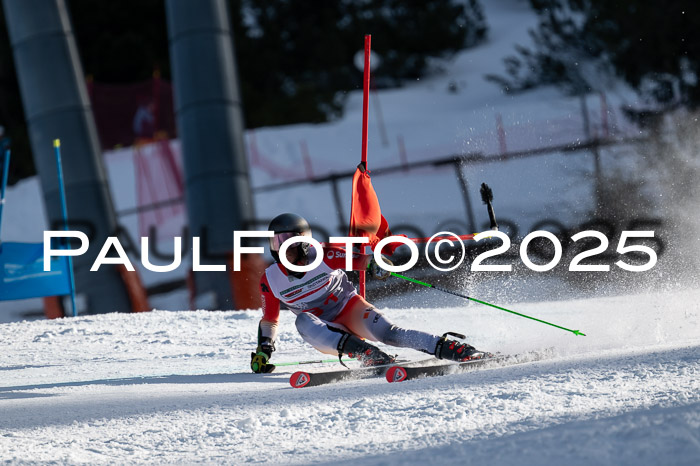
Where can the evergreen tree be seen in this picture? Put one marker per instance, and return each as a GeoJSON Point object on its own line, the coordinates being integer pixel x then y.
{"type": "Point", "coordinates": [651, 45]}
{"type": "Point", "coordinates": [296, 58]}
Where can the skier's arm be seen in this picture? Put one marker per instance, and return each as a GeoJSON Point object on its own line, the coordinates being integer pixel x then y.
{"type": "Point", "coordinates": [334, 257]}
{"type": "Point", "coordinates": [267, 329]}
{"type": "Point", "coordinates": [271, 312]}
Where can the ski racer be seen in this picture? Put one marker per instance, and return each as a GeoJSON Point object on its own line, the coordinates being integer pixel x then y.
{"type": "Point", "coordinates": [331, 316]}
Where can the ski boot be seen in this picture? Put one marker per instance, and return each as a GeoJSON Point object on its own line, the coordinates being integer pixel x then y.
{"type": "Point", "coordinates": [456, 351]}
{"type": "Point", "coordinates": [367, 354]}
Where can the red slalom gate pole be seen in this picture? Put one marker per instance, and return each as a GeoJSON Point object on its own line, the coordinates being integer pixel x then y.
{"type": "Point", "coordinates": [365, 97]}
{"type": "Point", "coordinates": [365, 112]}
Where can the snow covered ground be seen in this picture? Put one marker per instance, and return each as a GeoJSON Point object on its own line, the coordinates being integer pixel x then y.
{"type": "Point", "coordinates": [175, 387]}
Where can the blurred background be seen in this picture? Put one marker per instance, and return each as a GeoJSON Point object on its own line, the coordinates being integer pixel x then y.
{"type": "Point", "coordinates": [190, 119]}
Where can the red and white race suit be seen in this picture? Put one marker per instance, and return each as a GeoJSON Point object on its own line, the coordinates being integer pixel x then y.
{"type": "Point", "coordinates": [326, 304]}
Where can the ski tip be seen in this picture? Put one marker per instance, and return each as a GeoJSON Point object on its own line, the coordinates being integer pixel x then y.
{"type": "Point", "coordinates": [396, 374]}
{"type": "Point", "coordinates": [299, 379]}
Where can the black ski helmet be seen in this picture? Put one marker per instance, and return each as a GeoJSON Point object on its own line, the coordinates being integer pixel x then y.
{"type": "Point", "coordinates": [289, 223]}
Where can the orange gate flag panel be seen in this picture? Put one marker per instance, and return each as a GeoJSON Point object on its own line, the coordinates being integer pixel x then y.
{"type": "Point", "coordinates": [366, 217]}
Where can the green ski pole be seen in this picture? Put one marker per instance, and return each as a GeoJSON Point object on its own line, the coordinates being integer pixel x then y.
{"type": "Point", "coordinates": [445, 290]}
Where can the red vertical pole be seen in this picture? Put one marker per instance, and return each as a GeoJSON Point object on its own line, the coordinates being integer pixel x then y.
{"type": "Point", "coordinates": [365, 111]}
{"type": "Point", "coordinates": [365, 98]}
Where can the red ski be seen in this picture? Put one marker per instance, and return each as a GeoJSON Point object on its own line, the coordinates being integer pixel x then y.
{"type": "Point", "coordinates": [301, 379]}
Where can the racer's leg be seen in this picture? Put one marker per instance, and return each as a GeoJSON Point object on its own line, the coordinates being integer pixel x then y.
{"type": "Point", "coordinates": [362, 319]}
{"type": "Point", "coordinates": [318, 333]}
{"type": "Point", "coordinates": [333, 338]}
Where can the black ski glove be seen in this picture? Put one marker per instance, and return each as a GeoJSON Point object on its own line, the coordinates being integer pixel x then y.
{"type": "Point", "coordinates": [259, 360]}
{"type": "Point", "coordinates": [376, 271]}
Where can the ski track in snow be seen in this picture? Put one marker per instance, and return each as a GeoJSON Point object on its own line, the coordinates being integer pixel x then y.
{"type": "Point", "coordinates": [174, 387]}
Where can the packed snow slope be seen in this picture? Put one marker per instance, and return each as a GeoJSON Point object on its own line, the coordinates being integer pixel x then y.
{"type": "Point", "coordinates": [175, 387]}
